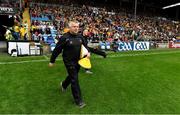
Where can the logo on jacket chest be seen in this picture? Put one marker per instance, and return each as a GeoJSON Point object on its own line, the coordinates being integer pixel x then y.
{"type": "Point", "coordinates": [75, 42]}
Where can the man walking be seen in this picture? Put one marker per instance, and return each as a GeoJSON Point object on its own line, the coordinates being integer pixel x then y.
{"type": "Point", "coordinates": [70, 43]}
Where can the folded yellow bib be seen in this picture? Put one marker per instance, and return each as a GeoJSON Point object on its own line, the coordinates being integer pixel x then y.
{"type": "Point", "coordinates": [85, 63]}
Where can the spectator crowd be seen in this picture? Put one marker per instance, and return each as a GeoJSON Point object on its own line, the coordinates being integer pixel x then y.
{"type": "Point", "coordinates": [50, 21]}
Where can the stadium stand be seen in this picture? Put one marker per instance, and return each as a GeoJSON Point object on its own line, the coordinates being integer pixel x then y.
{"type": "Point", "coordinates": [47, 22]}
{"type": "Point", "coordinates": [103, 25]}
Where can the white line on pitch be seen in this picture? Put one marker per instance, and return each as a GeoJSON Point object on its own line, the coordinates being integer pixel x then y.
{"type": "Point", "coordinates": [46, 57]}
{"type": "Point", "coordinates": [111, 56]}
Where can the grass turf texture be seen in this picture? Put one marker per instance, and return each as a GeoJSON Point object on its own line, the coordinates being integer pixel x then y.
{"type": "Point", "coordinates": [122, 83]}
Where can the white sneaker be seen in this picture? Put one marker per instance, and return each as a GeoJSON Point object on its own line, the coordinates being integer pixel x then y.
{"type": "Point", "coordinates": [81, 105]}
{"type": "Point", "coordinates": [62, 88]}
{"type": "Point", "coordinates": [89, 72]}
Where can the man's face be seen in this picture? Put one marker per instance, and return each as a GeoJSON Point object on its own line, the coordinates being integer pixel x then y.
{"type": "Point", "coordinates": [85, 33]}
{"type": "Point", "coordinates": [74, 28]}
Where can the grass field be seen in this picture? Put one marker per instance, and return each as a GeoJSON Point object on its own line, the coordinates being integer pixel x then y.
{"type": "Point", "coordinates": [123, 83]}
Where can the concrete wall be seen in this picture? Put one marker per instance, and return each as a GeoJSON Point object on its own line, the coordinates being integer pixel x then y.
{"type": "Point", "coordinates": [3, 46]}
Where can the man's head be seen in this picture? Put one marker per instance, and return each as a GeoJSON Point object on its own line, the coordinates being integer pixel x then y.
{"type": "Point", "coordinates": [73, 27]}
{"type": "Point", "coordinates": [85, 32]}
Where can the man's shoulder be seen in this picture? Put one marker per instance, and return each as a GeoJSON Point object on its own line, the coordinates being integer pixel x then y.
{"type": "Point", "coordinates": [79, 35]}
{"type": "Point", "coordinates": [67, 35]}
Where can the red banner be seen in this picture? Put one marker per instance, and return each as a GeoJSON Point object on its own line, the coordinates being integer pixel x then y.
{"type": "Point", "coordinates": [174, 44]}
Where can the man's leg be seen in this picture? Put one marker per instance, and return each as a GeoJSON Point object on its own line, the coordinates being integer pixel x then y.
{"type": "Point", "coordinates": [73, 79]}
{"type": "Point", "coordinates": [75, 85]}
{"type": "Point", "coordinates": [66, 82]}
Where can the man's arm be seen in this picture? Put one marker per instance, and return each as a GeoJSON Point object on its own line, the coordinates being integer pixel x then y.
{"type": "Point", "coordinates": [58, 49]}
{"type": "Point", "coordinates": [85, 43]}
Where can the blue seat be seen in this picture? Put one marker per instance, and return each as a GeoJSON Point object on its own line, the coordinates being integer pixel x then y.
{"type": "Point", "coordinates": [50, 40]}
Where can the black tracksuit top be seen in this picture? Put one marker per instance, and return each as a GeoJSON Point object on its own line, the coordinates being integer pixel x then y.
{"type": "Point", "coordinates": [70, 45]}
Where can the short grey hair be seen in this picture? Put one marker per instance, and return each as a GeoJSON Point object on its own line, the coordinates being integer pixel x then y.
{"type": "Point", "coordinates": [73, 21]}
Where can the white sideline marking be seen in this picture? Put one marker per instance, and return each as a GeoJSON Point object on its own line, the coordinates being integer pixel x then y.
{"type": "Point", "coordinates": [46, 57]}
{"type": "Point", "coordinates": [144, 54]}
{"type": "Point", "coordinates": [4, 63]}
{"type": "Point", "coordinates": [112, 56]}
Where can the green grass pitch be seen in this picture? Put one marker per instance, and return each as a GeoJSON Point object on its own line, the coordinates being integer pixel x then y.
{"type": "Point", "coordinates": [123, 83]}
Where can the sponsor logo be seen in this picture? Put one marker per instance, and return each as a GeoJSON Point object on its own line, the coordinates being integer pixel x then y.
{"type": "Point", "coordinates": [174, 45]}
{"type": "Point", "coordinates": [6, 10]}
{"type": "Point", "coordinates": [125, 46]}
{"type": "Point", "coordinates": [141, 46]}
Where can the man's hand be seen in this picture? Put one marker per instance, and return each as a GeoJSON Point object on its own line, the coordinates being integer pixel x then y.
{"type": "Point", "coordinates": [88, 55]}
{"type": "Point", "coordinates": [51, 64]}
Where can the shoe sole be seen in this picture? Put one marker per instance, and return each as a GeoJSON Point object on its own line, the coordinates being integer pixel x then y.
{"type": "Point", "coordinates": [82, 106]}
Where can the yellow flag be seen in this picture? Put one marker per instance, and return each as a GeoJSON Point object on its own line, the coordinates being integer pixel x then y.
{"type": "Point", "coordinates": [84, 61]}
